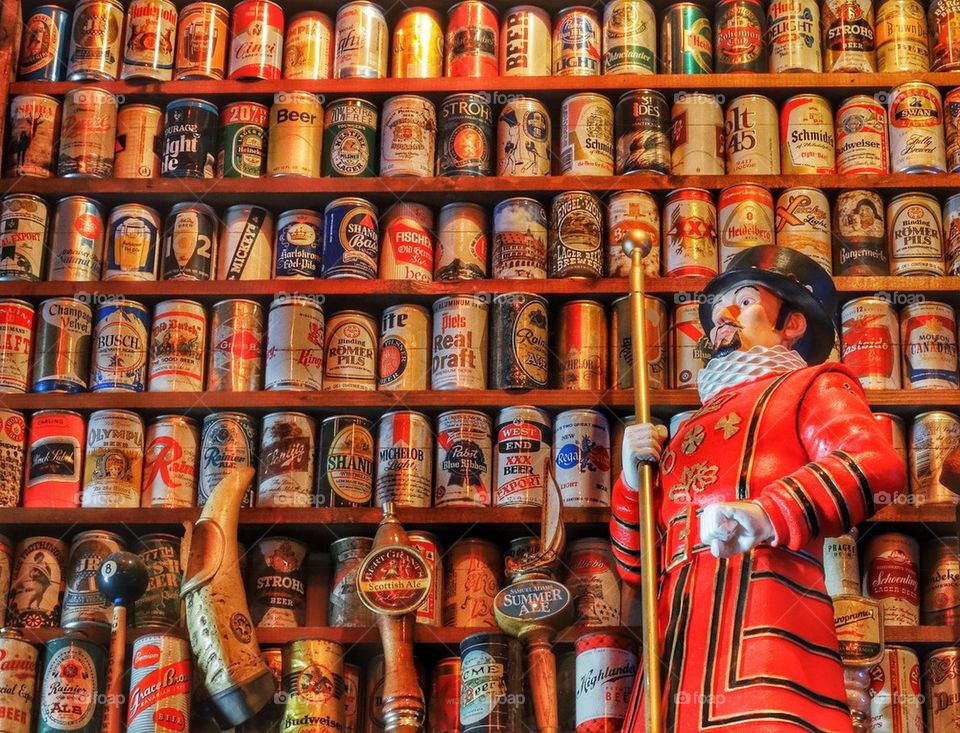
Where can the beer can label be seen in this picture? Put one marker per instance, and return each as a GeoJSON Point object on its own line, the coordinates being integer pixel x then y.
{"type": "Point", "coordinates": [464, 448]}
{"type": "Point", "coordinates": [256, 50]}
{"type": "Point", "coordinates": [160, 684]}
{"type": "Point", "coordinates": [76, 246]}
{"type": "Point", "coordinates": [404, 348]}
{"type": "Point", "coordinates": [870, 342]}
{"type": "Point", "coordinates": [160, 603]}
{"type": "Point", "coordinates": [113, 464]}
{"type": "Point", "coordinates": [690, 234]}
{"type": "Point", "coordinates": [299, 244]}
{"type": "Point", "coordinates": [404, 460]}
{"type": "Point", "coordinates": [630, 213]}
{"type": "Point", "coordinates": [287, 444]}
{"type": "Point", "coordinates": [54, 459]}
{"type": "Point", "coordinates": [576, 232]}
{"type": "Point", "coordinates": [803, 224]}
{"type": "Point", "coordinates": [526, 45]}
{"type": "Point", "coordinates": [408, 136]}
{"type": "Point", "coordinates": [582, 458]}
{"type": "Point", "coordinates": [243, 142]}
{"type": "Point", "coordinates": [350, 138]}
{"type": "Point", "coordinates": [520, 341]}
{"type": "Point", "coordinates": [466, 136]}
{"type": "Point", "coordinates": [190, 139]}
{"type": "Point", "coordinates": [13, 430]}
{"type": "Point", "coordinates": [228, 442]}
{"type": "Point", "coordinates": [151, 34]}
{"type": "Point", "coordinates": [523, 438]}
{"type": "Point", "coordinates": [236, 346]}
{"type": "Point", "coordinates": [459, 354]}
{"type": "Point", "coordinates": [350, 352]}
{"type": "Point", "coordinates": [807, 143]}
{"type": "Point", "coordinates": [308, 46]}
{"type": "Point", "coordinates": [201, 48]}
{"type": "Point", "coordinates": [862, 137]}
{"type": "Point", "coordinates": [83, 603]}
{"type": "Point", "coordinates": [848, 36]}
{"type": "Point", "coordinates": [23, 233]}
{"type": "Point", "coordinates": [523, 139]}
{"type": "Point", "coordinates": [361, 39]}
{"type": "Point", "coordinates": [351, 239]}
{"type": "Point", "coordinates": [629, 37]}
{"type": "Point", "coordinates": [915, 236]}
{"type": "Point", "coordinates": [794, 36]}
{"type": "Point", "coordinates": [915, 112]}
{"type": "Point", "coordinates": [751, 136]}
{"type": "Point", "coordinates": [461, 243]}
{"type": "Point", "coordinates": [177, 347]}
{"type": "Point", "coordinates": [170, 463]}
{"type": "Point", "coordinates": [73, 706]}
{"type": "Point", "coordinates": [586, 136]}
{"type": "Point", "coordinates": [63, 337]}
{"type": "Point", "coordinates": [95, 41]}
{"type": "Point", "coordinates": [406, 251]}
{"type": "Point", "coordinates": [88, 133]}
{"type": "Point", "coordinates": [133, 243]}
{"type": "Point", "coordinates": [294, 358]}
{"type": "Point", "coordinates": [36, 585]}
{"type": "Point", "coordinates": [345, 462]}
{"type": "Point", "coordinates": [605, 677]}
{"type": "Point", "coordinates": [519, 239]}
{"type": "Point", "coordinates": [740, 28]}
{"type": "Point", "coordinates": [189, 244]}
{"type": "Point", "coordinates": [928, 335]}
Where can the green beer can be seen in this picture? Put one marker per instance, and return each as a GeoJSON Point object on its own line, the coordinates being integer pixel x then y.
{"type": "Point", "coordinates": [350, 138]}
{"type": "Point", "coordinates": [686, 40]}
{"type": "Point", "coordinates": [243, 140]}
{"type": "Point", "coordinates": [72, 685]}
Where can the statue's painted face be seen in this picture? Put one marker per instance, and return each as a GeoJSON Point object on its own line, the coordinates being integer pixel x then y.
{"type": "Point", "coordinates": [746, 316]}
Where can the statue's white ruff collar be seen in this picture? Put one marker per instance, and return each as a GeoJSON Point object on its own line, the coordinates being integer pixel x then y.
{"type": "Point", "coordinates": [738, 367]}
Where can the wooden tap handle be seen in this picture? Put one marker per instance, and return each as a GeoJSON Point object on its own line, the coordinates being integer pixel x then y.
{"type": "Point", "coordinates": [115, 665]}
{"type": "Point", "coordinates": [401, 688]}
{"type": "Point", "coordinates": [542, 671]}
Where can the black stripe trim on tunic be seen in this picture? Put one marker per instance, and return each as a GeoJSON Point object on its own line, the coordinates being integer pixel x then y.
{"type": "Point", "coordinates": [625, 550]}
{"type": "Point", "coordinates": [807, 592]}
{"type": "Point", "coordinates": [865, 493]}
{"type": "Point", "coordinates": [678, 643]}
{"type": "Point", "coordinates": [743, 485]}
{"type": "Point", "coordinates": [720, 579]}
{"type": "Point", "coordinates": [834, 489]}
{"type": "Point", "coordinates": [626, 525]}
{"type": "Point", "coordinates": [824, 651]}
{"type": "Point", "coordinates": [746, 717]}
{"type": "Point", "coordinates": [809, 511]}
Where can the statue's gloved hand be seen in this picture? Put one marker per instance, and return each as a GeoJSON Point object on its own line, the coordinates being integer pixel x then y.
{"type": "Point", "coordinates": [642, 443]}
{"type": "Point", "coordinates": [733, 527]}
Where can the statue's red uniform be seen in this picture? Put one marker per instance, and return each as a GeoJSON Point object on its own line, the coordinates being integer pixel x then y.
{"type": "Point", "coordinates": [748, 643]}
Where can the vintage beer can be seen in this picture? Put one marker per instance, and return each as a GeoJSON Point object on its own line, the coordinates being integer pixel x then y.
{"type": "Point", "coordinates": [896, 703]}
{"type": "Point", "coordinates": [360, 41]}
{"type": "Point", "coordinates": [914, 235]}
{"type": "Point", "coordinates": [178, 340]}
{"type": "Point", "coordinates": [841, 566]}
{"type": "Point", "coordinates": [351, 239]}
{"type": "Point", "coordinates": [427, 545]}
{"type": "Point", "coordinates": [951, 233]}
{"type": "Point", "coordinates": [54, 459]}
{"type": "Point", "coordinates": [621, 343]}
{"type": "Point", "coordinates": [933, 436]}
{"type": "Point", "coordinates": [18, 680]}
{"type": "Point", "coordinates": [575, 244]}
{"type": "Point", "coordinates": [689, 227]}
{"type": "Point", "coordinates": [95, 41]}
{"type": "Point", "coordinates": [236, 346]}
{"type": "Point", "coordinates": [740, 31]}
{"type": "Point", "coordinates": [943, 21]}
{"type": "Point", "coordinates": [350, 138]}
{"type": "Point", "coordinates": [16, 345]}
{"type": "Point", "coordinates": [890, 575]}
{"type": "Point", "coordinates": [686, 40]}
{"type": "Point", "coordinates": [6, 564]}
{"type": "Point", "coordinates": [581, 457]}
{"type": "Point", "coordinates": [472, 577]}
{"type": "Point", "coordinates": [688, 353]}
{"type": "Point", "coordinates": [581, 346]}
{"type": "Point", "coordinates": [486, 672]}
{"type": "Point", "coordinates": [294, 353]}
{"type": "Point", "coordinates": [408, 136]}
{"type": "Point", "coordinates": [139, 140]}
{"type": "Point", "coordinates": [407, 247]}
{"type": "Point", "coordinates": [295, 142]}
{"type": "Point", "coordinates": [443, 707]}
{"type": "Point", "coordinates": [519, 239]}
{"type": "Point", "coordinates": [228, 441]}
{"type": "Point", "coordinates": [277, 583]}
{"type": "Point", "coordinates": [859, 234]}
{"type": "Point", "coordinates": [466, 135]}
{"type": "Point", "coordinates": [751, 136]}
{"type": "Point", "coordinates": [170, 453]}
{"type": "Point", "coordinates": [807, 142]}
{"type": "Point", "coordinates": [793, 36]}
{"type": "Point", "coordinates": [190, 139]}
{"type": "Point", "coordinates": [83, 603]}
{"type": "Point", "coordinates": [352, 698]}
{"type": "Point", "coordinates": [350, 352]}
{"type": "Point", "coordinates": [74, 706]}
{"type": "Point", "coordinates": [870, 342]}
{"type": "Point", "coordinates": [256, 46]}
{"type": "Point", "coordinates": [245, 250]}
{"type": "Point", "coordinates": [464, 450]}
{"type": "Point", "coordinates": [43, 47]}
{"type": "Point", "coordinates": [133, 243]}
{"type": "Point", "coordinates": [308, 46]}
{"type": "Point", "coordinates": [313, 682]}
{"type": "Point", "coordinates": [286, 458]}
{"type": "Point", "coordinates": [189, 242]}
{"type": "Point", "coordinates": [940, 599]}
{"type": "Point", "coordinates": [404, 472]}
{"type": "Point", "coordinates": [848, 36]}
{"type": "Point", "coordinates": [472, 40]}
{"type": "Point", "coordinates": [344, 462]}
{"type": "Point", "coordinates": [34, 128]}
{"type": "Point", "coordinates": [150, 38]}
{"type": "Point", "coordinates": [417, 48]}
{"type": "Point", "coordinates": [61, 359]}
{"type": "Point", "coordinates": [461, 242]}
{"type": "Point", "coordinates": [745, 213]}
{"type": "Point", "coordinates": [643, 132]}
{"type": "Point", "coordinates": [951, 124]}
{"type": "Point", "coordinates": [88, 132]}
{"type": "Point", "coordinates": [593, 582]}
{"type": "Point", "coordinates": [928, 335]}
{"type": "Point", "coordinates": [606, 665]}
{"type": "Point", "coordinates": [902, 37]}
{"type": "Point", "coordinates": [298, 254]}
{"type": "Point", "coordinates": [521, 451]}
{"type": "Point", "coordinates": [520, 344]}
{"type": "Point", "coordinates": [915, 113]}
{"type": "Point", "coordinates": [577, 44]}
{"type": "Point", "coordinates": [202, 33]}
{"type": "Point", "coordinates": [344, 607]}
{"type": "Point", "coordinates": [941, 686]}
{"type": "Point", "coordinates": [523, 138]}
{"type": "Point", "coordinates": [459, 353]}
{"type": "Point", "coordinates": [586, 135]}
{"type": "Point", "coordinates": [113, 464]}
{"type": "Point", "coordinates": [76, 240]}
{"type": "Point", "coordinates": [525, 42]}
{"type": "Point", "coordinates": [13, 431]}
{"type": "Point", "coordinates": [803, 224]}
{"type": "Point", "coordinates": [23, 234]}
{"type": "Point", "coordinates": [243, 140]}
{"type": "Point", "coordinates": [629, 37]}
{"type": "Point", "coordinates": [36, 583]}
{"type": "Point", "coordinates": [160, 689]}
{"type": "Point", "coordinates": [404, 348]}
{"type": "Point", "coordinates": [861, 134]}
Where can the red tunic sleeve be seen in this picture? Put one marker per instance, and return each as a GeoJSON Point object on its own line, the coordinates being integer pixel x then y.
{"type": "Point", "coordinates": [625, 531]}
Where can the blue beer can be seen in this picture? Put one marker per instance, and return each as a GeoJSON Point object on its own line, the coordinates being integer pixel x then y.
{"type": "Point", "coordinates": [120, 333]}
{"type": "Point", "coordinates": [351, 239]}
{"type": "Point", "coordinates": [43, 48]}
{"type": "Point", "coordinates": [133, 243]}
{"type": "Point", "coordinates": [299, 251]}
{"type": "Point", "coordinates": [190, 131]}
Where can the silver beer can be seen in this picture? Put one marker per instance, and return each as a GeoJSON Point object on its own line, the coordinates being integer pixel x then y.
{"type": "Point", "coordinates": [228, 441]}
{"type": "Point", "coordinates": [171, 450]}
{"type": "Point", "coordinates": [287, 446]}
{"type": "Point", "coordinates": [928, 344]}
{"type": "Point", "coordinates": [459, 353]}
{"type": "Point", "coordinates": [178, 340]}
{"type": "Point", "coordinates": [793, 36]}
{"type": "Point", "coordinates": [861, 136]}
{"type": "Point", "coordinates": [295, 330]}
{"type": "Point", "coordinates": [523, 138]}
{"type": "Point", "coordinates": [581, 458]}
{"type": "Point", "coordinates": [246, 244]}
{"type": "Point", "coordinates": [76, 240]}
{"type": "Point", "coordinates": [408, 136]}
{"type": "Point", "coordinates": [896, 703]}
{"type": "Point", "coordinates": [841, 565]}
{"type": "Point", "coordinates": [236, 346]}
{"type": "Point", "coordinates": [461, 242]}
{"type": "Point", "coordinates": [463, 459]}
{"type": "Point", "coordinates": [350, 352]}
{"type": "Point", "coordinates": [404, 473]}
{"type": "Point", "coordinates": [933, 436]}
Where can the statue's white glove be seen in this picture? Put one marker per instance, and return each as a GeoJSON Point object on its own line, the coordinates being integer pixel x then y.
{"type": "Point", "coordinates": [642, 443]}
{"type": "Point", "coordinates": [733, 527]}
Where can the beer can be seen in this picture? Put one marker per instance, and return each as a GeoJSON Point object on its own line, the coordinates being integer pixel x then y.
{"type": "Point", "coordinates": [406, 251]}
{"type": "Point", "coordinates": [459, 353]}
{"type": "Point", "coordinates": [245, 250]}
{"type": "Point", "coordinates": [83, 603]}
{"type": "Point", "coordinates": [951, 233]}
{"type": "Point", "coordinates": [243, 140]}
{"type": "Point", "coordinates": [351, 239]}
{"type": "Point", "coordinates": [751, 136]}
{"type": "Point", "coordinates": [472, 577]}
{"type": "Point", "coordinates": [486, 670]}
{"type": "Point", "coordinates": [236, 346]}
{"type": "Point", "coordinates": [408, 136]}
{"type": "Point", "coordinates": [228, 441]}
{"type": "Point", "coordinates": [586, 135]}
{"type": "Point", "coordinates": [697, 132]}
{"type": "Point", "coordinates": [941, 686]}
{"type": "Point", "coordinates": [404, 348]}
{"type": "Point", "coordinates": [915, 113]}
{"type": "Point", "coordinates": [635, 214]}
{"type": "Point", "coordinates": [803, 223]}
{"type": "Point", "coordinates": [870, 342]}
{"type": "Point", "coordinates": [360, 41]}
{"type": "Point", "coordinates": [404, 472]}
{"type": "Point", "coordinates": [190, 139]}
{"type": "Point", "coordinates": [189, 242]}
{"type": "Point", "coordinates": [427, 545]}
{"type": "Point", "coordinates": [943, 21]}
{"type": "Point", "coordinates": [417, 48]}
{"type": "Point", "coordinates": [472, 40]}
{"type": "Point", "coordinates": [581, 346]}
{"type": "Point", "coordinates": [286, 458]}
{"type": "Point", "coordinates": [793, 36]}
{"type": "Point", "coordinates": [54, 459]}
{"type": "Point", "coordinates": [443, 707]}
{"type": "Point", "coordinates": [861, 132]}
{"type": "Point", "coordinates": [344, 607]}
{"type": "Point", "coordinates": [160, 604]}
{"type": "Point", "coordinates": [150, 38]}
{"type": "Point", "coordinates": [593, 582]}
{"type": "Point", "coordinates": [16, 345]}
{"type": "Point", "coordinates": [88, 132]}
{"type": "Point", "coordinates": [160, 684]}
{"type": "Point", "coordinates": [519, 354]}
{"type": "Point", "coordinates": [18, 679]}
{"type": "Point", "coordinates": [940, 599]}
{"type": "Point", "coordinates": [643, 133]}
{"type": "Point", "coordinates": [890, 575]}
{"type": "Point", "coordinates": [256, 46]}
{"type": "Point", "coordinates": [139, 140]}
{"type": "Point", "coordinates": [688, 352]}
{"type": "Point", "coordinates": [807, 141]}
{"type": "Point", "coordinates": [178, 339]}
{"type": "Point", "coordinates": [308, 46]}
{"type": "Point", "coordinates": [606, 665]}
{"type": "Point", "coordinates": [740, 32]}
{"type": "Point", "coordinates": [171, 448]}
{"type": "Point", "coordinates": [113, 464]}
{"type": "Point", "coordinates": [298, 253]}
{"type": "Point", "coordinates": [36, 583]}
{"type": "Point", "coordinates": [277, 583]}
{"type": "Point", "coordinates": [75, 706]}
{"type": "Point", "coordinates": [350, 138]}
{"type": "Point", "coordinates": [23, 234]}
{"type": "Point", "coordinates": [95, 41]}
{"type": "Point", "coordinates": [313, 682]}
{"type": "Point", "coordinates": [6, 564]}
{"type": "Point", "coordinates": [133, 243]}
{"type": "Point", "coordinates": [13, 431]}
{"type": "Point", "coordinates": [61, 359]}
{"type": "Point", "coordinates": [933, 436]}
{"type": "Point", "coordinates": [689, 228]}
{"type": "Point", "coordinates": [201, 49]}
{"type": "Point", "coordinates": [951, 124]}
{"type": "Point", "coordinates": [521, 453]}
{"type": "Point", "coordinates": [621, 343]}
{"type": "Point", "coordinates": [686, 40]}
{"type": "Point", "coordinates": [462, 244]}
{"type": "Point", "coordinates": [746, 220]}
{"type": "Point", "coordinates": [575, 242]}
{"type": "Point", "coordinates": [914, 235]}
{"type": "Point", "coordinates": [350, 352]}
{"type": "Point", "coordinates": [859, 234]}
{"type": "Point", "coordinates": [525, 42]}
{"type": "Point", "coordinates": [841, 566]}
{"type": "Point", "coordinates": [577, 42]}
{"type": "Point", "coordinates": [466, 135]}
{"type": "Point", "coordinates": [44, 43]}
{"type": "Point", "coordinates": [34, 128]}
{"type": "Point", "coordinates": [464, 449]}
{"type": "Point", "coordinates": [296, 135]}
{"type": "Point", "coordinates": [902, 37]}
{"type": "Point", "coordinates": [519, 239]}
{"type": "Point", "coordinates": [523, 138]}
{"type": "Point", "coordinates": [581, 458]}
{"type": "Point", "coordinates": [352, 703]}
{"type": "Point", "coordinates": [928, 337]}
{"type": "Point", "coordinates": [75, 247]}
{"type": "Point", "coordinates": [629, 37]}
{"type": "Point", "coordinates": [344, 462]}
{"type": "Point", "coordinates": [848, 36]}
{"type": "Point", "coordinates": [294, 353]}
{"type": "Point", "coordinates": [119, 360]}
{"type": "Point", "coordinates": [896, 703]}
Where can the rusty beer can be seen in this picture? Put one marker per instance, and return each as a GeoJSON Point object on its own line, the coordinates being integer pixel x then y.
{"type": "Point", "coordinates": [575, 244]}
{"type": "Point", "coordinates": [642, 124]}
{"type": "Point", "coordinates": [83, 603]}
{"type": "Point", "coordinates": [113, 464]}
{"type": "Point", "coordinates": [201, 49]}
{"type": "Point", "coordinates": [870, 342]}
{"type": "Point", "coordinates": [350, 352]}
{"type": "Point", "coordinates": [427, 545]}
{"type": "Point", "coordinates": [914, 235]}
{"type": "Point", "coordinates": [308, 46]}
{"type": "Point", "coordinates": [417, 48]}
{"type": "Point", "coordinates": [586, 136]}
{"type": "Point", "coordinates": [803, 223]}
{"type": "Point", "coordinates": [61, 360]}
{"type": "Point", "coordinates": [519, 333]}
{"type": "Point", "coordinates": [928, 337]}
{"type": "Point", "coordinates": [54, 459]}
{"type": "Point", "coordinates": [793, 36]}
{"type": "Point", "coordinates": [18, 680]}
{"type": "Point", "coordinates": [461, 242]}
{"type": "Point", "coordinates": [160, 684]}
{"type": "Point", "coordinates": [581, 346]}
{"type": "Point", "coordinates": [36, 583]}
{"type": "Point", "coordinates": [228, 441]}
{"type": "Point", "coordinates": [581, 458]}
{"type": "Point", "coordinates": [404, 472]}
{"type": "Point", "coordinates": [915, 113]}
{"type": "Point", "coordinates": [933, 436]}
{"type": "Point", "coordinates": [464, 451]}
{"type": "Point", "coordinates": [848, 36]}
{"type": "Point", "coordinates": [404, 348]}
{"type": "Point", "coordinates": [689, 228]}
{"type": "Point", "coordinates": [344, 607]}
{"type": "Point", "coordinates": [150, 38]}
{"type": "Point", "coordinates": [472, 577]}
{"type": "Point", "coordinates": [360, 41]}
{"type": "Point", "coordinates": [407, 242]}
{"type": "Point", "coordinates": [88, 133]}
{"type": "Point", "coordinates": [459, 353]}
{"type": "Point", "coordinates": [34, 128]}
{"type": "Point", "coordinates": [890, 575]}
{"type": "Point", "coordinates": [171, 447]}
{"type": "Point", "coordinates": [95, 41]}
{"type": "Point", "coordinates": [286, 458]}
{"type": "Point", "coordinates": [408, 136]}
{"type": "Point", "coordinates": [344, 462]}
{"type": "Point", "coordinates": [16, 345]}
{"type": "Point", "coordinates": [236, 346]}
{"type": "Point", "coordinates": [525, 42]}
{"type": "Point", "coordinates": [277, 583]}
{"type": "Point", "coordinates": [256, 44]}
{"type": "Point", "coordinates": [295, 138]}
{"type": "Point", "coordinates": [472, 40]}
{"type": "Point", "coordinates": [13, 431]}
{"type": "Point", "coordinates": [294, 353]}
{"type": "Point", "coordinates": [521, 452]}
{"type": "Point", "coordinates": [807, 140]}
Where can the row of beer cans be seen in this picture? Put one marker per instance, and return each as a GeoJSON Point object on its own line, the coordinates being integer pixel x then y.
{"type": "Point", "coordinates": [205, 41]}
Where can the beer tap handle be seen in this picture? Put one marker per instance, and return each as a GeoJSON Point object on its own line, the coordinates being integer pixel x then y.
{"type": "Point", "coordinates": [402, 711]}
{"type": "Point", "coordinates": [542, 668]}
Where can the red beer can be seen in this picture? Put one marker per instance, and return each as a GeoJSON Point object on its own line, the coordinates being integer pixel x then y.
{"type": "Point", "coordinates": [54, 459]}
{"type": "Point", "coordinates": [473, 39]}
{"type": "Point", "coordinates": [870, 342]}
{"type": "Point", "coordinates": [605, 668]}
{"type": "Point", "coordinates": [256, 50]}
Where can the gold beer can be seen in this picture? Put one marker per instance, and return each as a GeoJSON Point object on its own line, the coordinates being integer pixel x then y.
{"type": "Point", "coordinates": [581, 346]}
{"type": "Point", "coordinates": [803, 223]}
{"type": "Point", "coordinates": [313, 682]}
{"type": "Point", "coordinates": [202, 34]}
{"type": "Point", "coordinates": [295, 139]}
{"type": "Point", "coordinates": [473, 574]}
{"type": "Point", "coordinates": [308, 46]}
{"type": "Point", "coordinates": [621, 343]}
{"type": "Point", "coordinates": [941, 686]}
{"type": "Point", "coordinates": [96, 40]}
{"type": "Point", "coordinates": [139, 132]}
{"type": "Point", "coordinates": [902, 36]}
{"type": "Point", "coordinates": [940, 600]}
{"type": "Point", "coordinates": [417, 51]}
